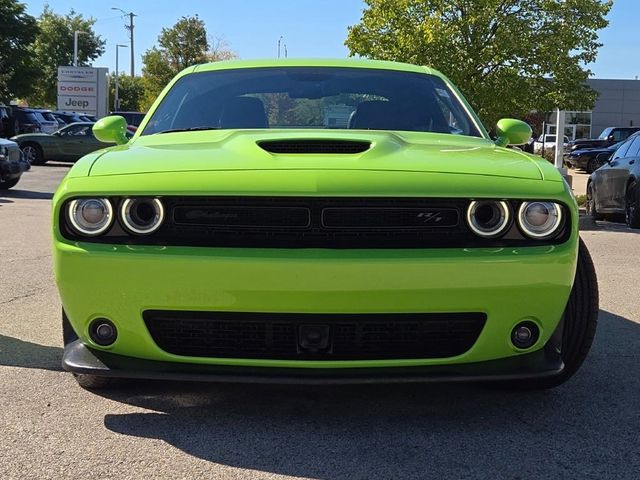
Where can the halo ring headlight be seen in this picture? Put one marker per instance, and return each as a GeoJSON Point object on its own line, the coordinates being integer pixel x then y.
{"type": "Point", "coordinates": [539, 219]}
{"type": "Point", "coordinates": [142, 216]}
{"type": "Point", "coordinates": [90, 216]}
{"type": "Point", "coordinates": [488, 218]}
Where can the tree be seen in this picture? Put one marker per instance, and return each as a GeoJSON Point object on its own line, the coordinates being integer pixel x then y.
{"type": "Point", "coordinates": [16, 35]}
{"type": "Point", "coordinates": [130, 92]}
{"type": "Point", "coordinates": [508, 56]}
{"type": "Point", "coordinates": [53, 47]}
{"type": "Point", "coordinates": [180, 46]}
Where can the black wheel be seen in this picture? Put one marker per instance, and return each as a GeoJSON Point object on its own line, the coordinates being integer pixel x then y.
{"type": "Point", "coordinates": [632, 205]}
{"type": "Point", "coordinates": [90, 382]}
{"type": "Point", "coordinates": [33, 154]}
{"type": "Point", "coordinates": [579, 324]}
{"type": "Point", "coordinates": [591, 204]}
{"type": "Point", "coordinates": [6, 184]}
{"type": "Point", "coordinates": [593, 165]}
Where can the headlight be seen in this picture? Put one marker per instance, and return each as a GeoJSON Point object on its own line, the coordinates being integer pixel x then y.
{"type": "Point", "coordinates": [488, 218]}
{"type": "Point", "coordinates": [4, 151]}
{"type": "Point", "coordinates": [539, 219]}
{"type": "Point", "coordinates": [142, 216]}
{"type": "Point", "coordinates": [90, 216]}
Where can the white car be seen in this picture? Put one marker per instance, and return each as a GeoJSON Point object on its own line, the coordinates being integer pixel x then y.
{"type": "Point", "coordinates": [549, 142]}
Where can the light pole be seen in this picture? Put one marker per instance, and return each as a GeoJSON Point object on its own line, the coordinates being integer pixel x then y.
{"type": "Point", "coordinates": [130, 28]}
{"type": "Point", "coordinates": [279, 42]}
{"type": "Point", "coordinates": [75, 45]}
{"type": "Point", "coordinates": [116, 100]}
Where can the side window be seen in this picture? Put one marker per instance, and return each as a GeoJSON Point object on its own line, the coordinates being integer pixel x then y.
{"type": "Point", "coordinates": [620, 134]}
{"type": "Point", "coordinates": [620, 152]}
{"type": "Point", "coordinates": [634, 148]}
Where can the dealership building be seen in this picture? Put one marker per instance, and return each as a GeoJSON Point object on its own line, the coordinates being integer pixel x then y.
{"type": "Point", "coordinates": [618, 105]}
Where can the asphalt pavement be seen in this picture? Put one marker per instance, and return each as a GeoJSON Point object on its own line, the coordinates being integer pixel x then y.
{"type": "Point", "coordinates": [51, 428]}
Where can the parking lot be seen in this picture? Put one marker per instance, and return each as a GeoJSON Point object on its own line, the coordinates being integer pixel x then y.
{"type": "Point", "coordinates": [51, 428]}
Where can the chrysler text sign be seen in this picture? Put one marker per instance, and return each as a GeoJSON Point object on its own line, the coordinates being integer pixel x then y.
{"type": "Point", "coordinates": [83, 90]}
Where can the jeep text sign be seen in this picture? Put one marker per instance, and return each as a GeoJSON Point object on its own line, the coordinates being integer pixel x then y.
{"type": "Point", "coordinates": [82, 90]}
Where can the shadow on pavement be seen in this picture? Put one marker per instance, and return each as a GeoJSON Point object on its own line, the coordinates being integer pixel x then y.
{"type": "Point", "coordinates": [19, 353]}
{"type": "Point", "coordinates": [409, 431]}
{"type": "Point", "coordinates": [14, 193]}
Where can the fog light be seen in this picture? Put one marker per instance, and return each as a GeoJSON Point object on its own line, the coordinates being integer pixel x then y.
{"type": "Point", "coordinates": [103, 331]}
{"type": "Point", "coordinates": [525, 334]}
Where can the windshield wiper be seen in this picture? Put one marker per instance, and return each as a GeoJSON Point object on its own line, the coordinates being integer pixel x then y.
{"type": "Point", "coordinates": [189, 129]}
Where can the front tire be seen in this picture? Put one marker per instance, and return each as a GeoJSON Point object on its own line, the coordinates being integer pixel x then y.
{"type": "Point", "coordinates": [632, 205]}
{"type": "Point", "coordinates": [579, 326]}
{"type": "Point", "coordinates": [5, 185]}
{"type": "Point", "coordinates": [591, 204]}
{"type": "Point", "coordinates": [33, 153]}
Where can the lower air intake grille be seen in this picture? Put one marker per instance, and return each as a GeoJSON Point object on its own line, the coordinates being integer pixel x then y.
{"type": "Point", "coordinates": [314, 336]}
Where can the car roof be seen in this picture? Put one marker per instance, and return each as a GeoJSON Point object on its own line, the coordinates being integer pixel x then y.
{"type": "Point", "coordinates": [315, 62]}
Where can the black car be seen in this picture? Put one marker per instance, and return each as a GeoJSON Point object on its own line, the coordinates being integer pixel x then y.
{"type": "Point", "coordinates": [615, 187]}
{"type": "Point", "coordinates": [65, 118]}
{"type": "Point", "coordinates": [608, 137]}
{"type": "Point", "coordinates": [591, 159]}
{"type": "Point", "coordinates": [134, 119]}
{"type": "Point", "coordinates": [12, 164]}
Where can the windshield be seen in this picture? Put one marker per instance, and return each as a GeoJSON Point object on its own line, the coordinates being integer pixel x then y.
{"type": "Point", "coordinates": [605, 133]}
{"type": "Point", "coordinates": [318, 97]}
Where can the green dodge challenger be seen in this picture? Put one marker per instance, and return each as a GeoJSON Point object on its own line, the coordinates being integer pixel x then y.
{"type": "Point", "coordinates": [319, 221]}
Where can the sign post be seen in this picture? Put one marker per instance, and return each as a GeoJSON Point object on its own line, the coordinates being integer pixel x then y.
{"type": "Point", "coordinates": [83, 90]}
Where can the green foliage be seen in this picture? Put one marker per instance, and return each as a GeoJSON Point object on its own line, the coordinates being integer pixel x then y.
{"type": "Point", "coordinates": [130, 92]}
{"type": "Point", "coordinates": [179, 47]}
{"type": "Point", "coordinates": [18, 30]}
{"type": "Point", "coordinates": [53, 47]}
{"type": "Point", "coordinates": [500, 53]}
{"type": "Point", "coordinates": [582, 200]}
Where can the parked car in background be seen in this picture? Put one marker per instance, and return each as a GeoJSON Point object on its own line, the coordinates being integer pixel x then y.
{"type": "Point", "coordinates": [134, 119]}
{"type": "Point", "coordinates": [67, 117]}
{"type": "Point", "coordinates": [12, 164]}
{"type": "Point", "coordinates": [68, 143]}
{"type": "Point", "coordinates": [591, 159]}
{"type": "Point", "coordinates": [549, 142]}
{"type": "Point", "coordinates": [608, 137]}
{"type": "Point", "coordinates": [615, 187]}
{"type": "Point", "coordinates": [30, 120]}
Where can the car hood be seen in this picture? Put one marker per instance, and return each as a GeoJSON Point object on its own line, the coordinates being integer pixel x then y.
{"type": "Point", "coordinates": [30, 136]}
{"type": "Point", "coordinates": [240, 150]}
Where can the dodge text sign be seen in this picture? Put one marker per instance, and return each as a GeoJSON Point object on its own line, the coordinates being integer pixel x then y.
{"type": "Point", "coordinates": [82, 90]}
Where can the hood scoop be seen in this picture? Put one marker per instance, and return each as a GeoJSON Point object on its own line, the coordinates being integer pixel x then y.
{"type": "Point", "coordinates": [301, 146]}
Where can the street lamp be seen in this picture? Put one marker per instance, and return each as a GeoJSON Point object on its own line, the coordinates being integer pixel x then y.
{"type": "Point", "coordinates": [116, 100]}
{"type": "Point", "coordinates": [75, 45]}
{"type": "Point", "coordinates": [130, 28]}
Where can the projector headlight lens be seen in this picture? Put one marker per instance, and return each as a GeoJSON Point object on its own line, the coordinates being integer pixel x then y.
{"type": "Point", "coordinates": [488, 218]}
{"type": "Point", "coordinates": [539, 219]}
{"type": "Point", "coordinates": [90, 216]}
{"type": "Point", "coordinates": [142, 216]}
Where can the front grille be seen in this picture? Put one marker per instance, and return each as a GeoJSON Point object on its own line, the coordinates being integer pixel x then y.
{"type": "Point", "coordinates": [349, 336]}
{"type": "Point", "coordinates": [314, 222]}
{"type": "Point", "coordinates": [314, 146]}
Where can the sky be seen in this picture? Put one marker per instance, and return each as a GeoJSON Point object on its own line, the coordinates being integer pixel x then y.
{"type": "Point", "coordinates": [310, 28]}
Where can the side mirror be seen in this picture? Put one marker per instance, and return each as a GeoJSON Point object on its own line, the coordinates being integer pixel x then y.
{"type": "Point", "coordinates": [111, 129]}
{"type": "Point", "coordinates": [510, 131]}
{"type": "Point", "coordinates": [610, 139]}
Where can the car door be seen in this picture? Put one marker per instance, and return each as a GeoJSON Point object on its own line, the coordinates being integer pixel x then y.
{"type": "Point", "coordinates": [620, 174]}
{"type": "Point", "coordinates": [602, 179]}
{"type": "Point", "coordinates": [78, 141]}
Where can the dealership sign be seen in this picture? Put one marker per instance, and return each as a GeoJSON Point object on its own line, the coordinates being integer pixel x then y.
{"type": "Point", "coordinates": [83, 90]}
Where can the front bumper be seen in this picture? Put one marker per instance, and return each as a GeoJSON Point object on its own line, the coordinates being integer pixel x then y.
{"type": "Point", "coordinates": [80, 359]}
{"type": "Point", "coordinates": [12, 169]}
{"type": "Point", "coordinates": [121, 282]}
